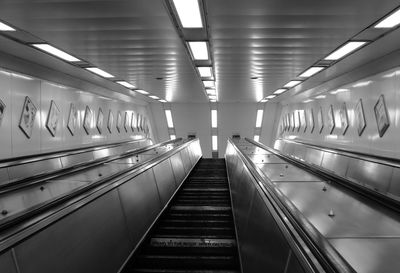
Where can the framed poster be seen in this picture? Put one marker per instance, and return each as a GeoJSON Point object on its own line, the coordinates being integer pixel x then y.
{"type": "Point", "coordinates": [320, 118]}
{"type": "Point", "coordinates": [344, 118]}
{"type": "Point", "coordinates": [110, 122]}
{"type": "Point", "coordinates": [381, 115]}
{"type": "Point", "coordinates": [119, 122]}
{"type": "Point", "coordinates": [360, 117]}
{"type": "Point", "coordinates": [53, 118]}
{"type": "Point", "coordinates": [100, 121]}
{"type": "Point", "coordinates": [303, 120]}
{"type": "Point", "coordinates": [72, 119]}
{"type": "Point", "coordinates": [311, 120]}
{"type": "Point", "coordinates": [28, 115]}
{"type": "Point", "coordinates": [331, 119]}
{"type": "Point", "coordinates": [133, 121]}
{"type": "Point", "coordinates": [87, 121]}
{"type": "Point", "coordinates": [2, 110]}
{"type": "Point", "coordinates": [127, 122]}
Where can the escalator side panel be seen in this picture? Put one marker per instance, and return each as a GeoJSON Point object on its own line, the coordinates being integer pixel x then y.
{"type": "Point", "coordinates": [186, 160]}
{"type": "Point", "coordinates": [165, 180]}
{"type": "Point", "coordinates": [6, 263]}
{"type": "Point", "coordinates": [178, 169]}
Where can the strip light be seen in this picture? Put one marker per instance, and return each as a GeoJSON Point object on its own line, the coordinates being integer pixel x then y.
{"type": "Point", "coordinates": [142, 92]}
{"type": "Point", "coordinates": [390, 21]}
{"type": "Point", "coordinates": [125, 84]}
{"type": "Point", "coordinates": [189, 13]}
{"type": "Point", "coordinates": [99, 72]}
{"type": "Point", "coordinates": [199, 50]}
{"type": "Point", "coordinates": [345, 50]}
{"type": "Point", "coordinates": [259, 118]}
{"type": "Point", "coordinates": [256, 138]}
{"type": "Point", "coordinates": [4, 27]}
{"type": "Point", "coordinates": [154, 97]}
{"type": "Point", "coordinates": [211, 92]}
{"type": "Point", "coordinates": [56, 52]}
{"type": "Point", "coordinates": [205, 71]}
{"type": "Point", "coordinates": [280, 91]}
{"type": "Point", "coordinates": [214, 143]}
{"type": "Point", "coordinates": [172, 137]}
{"type": "Point", "coordinates": [163, 101]}
{"type": "Point", "coordinates": [209, 84]}
{"type": "Point", "coordinates": [213, 118]}
{"type": "Point", "coordinates": [264, 100]}
{"type": "Point", "coordinates": [292, 84]}
{"type": "Point", "coordinates": [270, 97]}
{"type": "Point", "coordinates": [168, 115]}
{"type": "Point", "coordinates": [311, 71]}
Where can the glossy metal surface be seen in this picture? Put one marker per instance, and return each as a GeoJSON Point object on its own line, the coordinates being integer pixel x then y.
{"type": "Point", "coordinates": [177, 167]}
{"type": "Point", "coordinates": [286, 172]}
{"type": "Point", "coordinates": [336, 163]}
{"type": "Point", "coordinates": [185, 160]}
{"type": "Point", "coordinates": [6, 263]}
{"type": "Point", "coordinates": [165, 180]}
{"type": "Point", "coordinates": [27, 170]}
{"type": "Point", "coordinates": [265, 158]}
{"type": "Point", "coordinates": [75, 159]}
{"type": "Point", "coordinates": [4, 179]}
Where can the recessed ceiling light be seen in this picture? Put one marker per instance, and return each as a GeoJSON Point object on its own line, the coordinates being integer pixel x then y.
{"type": "Point", "coordinates": [259, 118]}
{"type": "Point", "coordinates": [280, 91]}
{"type": "Point", "coordinates": [311, 71]}
{"type": "Point", "coordinates": [270, 97]}
{"type": "Point", "coordinates": [164, 101]}
{"type": "Point", "coordinates": [361, 84]}
{"type": "Point", "coordinates": [205, 71]}
{"type": "Point", "coordinates": [344, 50]}
{"type": "Point", "coordinates": [264, 100]}
{"type": "Point", "coordinates": [56, 52]}
{"type": "Point", "coordinates": [214, 140]}
{"type": "Point", "coordinates": [213, 100]}
{"type": "Point", "coordinates": [189, 13]}
{"type": "Point", "coordinates": [126, 84]}
{"type": "Point", "coordinates": [211, 91]}
{"type": "Point", "coordinates": [292, 84]}
{"type": "Point", "coordinates": [100, 72]}
{"type": "Point", "coordinates": [390, 21]}
{"type": "Point", "coordinates": [340, 90]}
{"type": "Point", "coordinates": [306, 101]}
{"type": "Point", "coordinates": [141, 91]}
{"type": "Point", "coordinates": [154, 97]}
{"type": "Point", "coordinates": [170, 122]}
{"type": "Point", "coordinates": [4, 27]}
{"type": "Point", "coordinates": [213, 118]}
{"type": "Point", "coordinates": [208, 84]}
{"type": "Point", "coordinates": [199, 50]}
{"type": "Point", "coordinates": [256, 138]}
{"type": "Point", "coordinates": [320, 97]}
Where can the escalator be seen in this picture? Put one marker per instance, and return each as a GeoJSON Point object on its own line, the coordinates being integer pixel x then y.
{"type": "Point", "coordinates": [196, 232]}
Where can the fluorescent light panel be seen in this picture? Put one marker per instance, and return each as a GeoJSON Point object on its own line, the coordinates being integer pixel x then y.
{"type": "Point", "coordinates": [142, 92]}
{"type": "Point", "coordinates": [56, 52]}
{"type": "Point", "coordinates": [199, 50]}
{"type": "Point", "coordinates": [125, 84]}
{"type": "Point", "coordinates": [214, 143]}
{"type": "Point", "coordinates": [320, 97]}
{"type": "Point", "coordinates": [213, 118]}
{"type": "Point", "coordinates": [211, 92]}
{"type": "Point", "coordinates": [172, 137]}
{"type": "Point", "coordinates": [259, 118]}
{"type": "Point", "coordinates": [264, 100]}
{"type": "Point", "coordinates": [256, 138]}
{"type": "Point", "coordinates": [390, 21]}
{"type": "Point", "coordinates": [208, 84]}
{"type": "Point", "coordinates": [344, 50]}
{"type": "Point", "coordinates": [4, 27]}
{"type": "Point", "coordinates": [307, 101]}
{"type": "Point", "coordinates": [292, 84]}
{"type": "Point", "coordinates": [189, 13]}
{"type": "Point", "coordinates": [280, 91]}
{"type": "Point", "coordinates": [270, 97]}
{"type": "Point", "coordinates": [164, 101]}
{"type": "Point", "coordinates": [154, 97]}
{"type": "Point", "coordinates": [168, 115]}
{"type": "Point", "coordinates": [205, 71]}
{"type": "Point", "coordinates": [311, 71]}
{"type": "Point", "coordinates": [99, 72]}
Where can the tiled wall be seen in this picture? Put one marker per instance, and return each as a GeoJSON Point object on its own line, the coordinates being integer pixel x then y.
{"type": "Point", "coordinates": [368, 90]}
{"type": "Point", "coordinates": [13, 142]}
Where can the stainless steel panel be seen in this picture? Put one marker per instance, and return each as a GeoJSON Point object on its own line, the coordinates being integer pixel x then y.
{"type": "Point", "coordinates": [93, 174]}
{"type": "Point", "coordinates": [39, 167]}
{"type": "Point", "coordinates": [186, 161]}
{"type": "Point", "coordinates": [370, 255]}
{"type": "Point", "coordinates": [279, 144]}
{"type": "Point", "coordinates": [127, 160]}
{"type": "Point", "coordinates": [75, 159]}
{"type": "Point", "coordinates": [337, 164]}
{"type": "Point", "coordinates": [4, 179]}
{"type": "Point", "coordinates": [294, 265]}
{"type": "Point", "coordinates": [165, 180]}
{"type": "Point", "coordinates": [264, 248]}
{"type": "Point", "coordinates": [98, 154]}
{"type": "Point", "coordinates": [394, 188]}
{"type": "Point", "coordinates": [265, 158]}
{"type": "Point", "coordinates": [314, 156]}
{"type": "Point", "coordinates": [7, 264]}
{"type": "Point", "coordinates": [353, 215]}
{"type": "Point", "coordinates": [286, 172]}
{"type": "Point", "coordinates": [299, 151]}
{"type": "Point", "coordinates": [251, 150]}
{"type": "Point", "coordinates": [376, 176]}
{"type": "Point", "coordinates": [177, 167]}
{"type": "Point", "coordinates": [93, 239]}
{"type": "Point", "coordinates": [141, 204]}
{"type": "Point", "coordinates": [289, 148]}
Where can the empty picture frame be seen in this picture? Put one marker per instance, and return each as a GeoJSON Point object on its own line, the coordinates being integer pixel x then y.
{"type": "Point", "coordinates": [360, 117]}
{"type": "Point", "coordinates": [110, 121]}
{"type": "Point", "coordinates": [2, 110]}
{"type": "Point", "coordinates": [381, 115]}
{"type": "Point", "coordinates": [311, 120]}
{"type": "Point", "coordinates": [27, 119]}
{"type": "Point", "coordinates": [72, 119]}
{"type": "Point", "coordinates": [320, 119]}
{"type": "Point", "coordinates": [53, 118]}
{"type": "Point", "coordinates": [119, 122]}
{"type": "Point", "coordinates": [127, 122]}
{"type": "Point", "coordinates": [344, 118]}
{"type": "Point", "coordinates": [331, 119]}
{"type": "Point", "coordinates": [87, 121]}
{"type": "Point", "coordinates": [100, 121]}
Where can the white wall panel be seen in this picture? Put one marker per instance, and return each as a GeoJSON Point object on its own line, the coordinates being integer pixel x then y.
{"type": "Point", "coordinates": [5, 126]}
{"type": "Point", "coordinates": [271, 114]}
{"type": "Point", "coordinates": [160, 121]}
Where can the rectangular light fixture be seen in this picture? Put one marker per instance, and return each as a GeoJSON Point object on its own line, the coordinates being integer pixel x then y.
{"type": "Point", "coordinates": [168, 115]}
{"type": "Point", "coordinates": [320, 97]}
{"type": "Point", "coordinates": [292, 84]}
{"type": "Point", "coordinates": [154, 97]}
{"type": "Point", "coordinates": [280, 91]}
{"type": "Point", "coordinates": [172, 137]}
{"type": "Point", "coordinates": [344, 50]}
{"type": "Point", "coordinates": [205, 71]}
{"type": "Point", "coordinates": [390, 21]}
{"type": "Point", "coordinates": [264, 100]}
{"type": "Point", "coordinates": [212, 97]}
{"type": "Point", "coordinates": [199, 50]}
{"type": "Point", "coordinates": [56, 52]}
{"type": "Point", "coordinates": [125, 84]}
{"type": "Point", "coordinates": [307, 101]}
{"type": "Point", "coordinates": [213, 118]}
{"type": "Point", "coordinates": [189, 13]}
{"type": "Point", "coordinates": [209, 84]}
{"type": "Point", "coordinates": [311, 71]}
{"type": "Point", "coordinates": [211, 100]}
{"type": "Point", "coordinates": [270, 97]}
{"type": "Point", "coordinates": [214, 143]}
{"type": "Point", "coordinates": [163, 101]}
{"type": "Point", "coordinates": [211, 92]}
{"type": "Point", "coordinates": [4, 27]}
{"type": "Point", "coordinates": [99, 72]}
{"type": "Point", "coordinates": [256, 138]}
{"type": "Point", "coordinates": [142, 92]}
{"type": "Point", "coordinates": [259, 118]}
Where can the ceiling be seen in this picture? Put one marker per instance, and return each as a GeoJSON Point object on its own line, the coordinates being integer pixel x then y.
{"type": "Point", "coordinates": [137, 41]}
